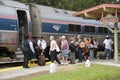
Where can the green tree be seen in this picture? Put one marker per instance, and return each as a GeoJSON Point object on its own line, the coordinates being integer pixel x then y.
{"type": "Point", "coordinates": [75, 5]}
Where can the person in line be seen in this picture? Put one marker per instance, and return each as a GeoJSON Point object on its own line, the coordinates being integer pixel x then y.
{"type": "Point", "coordinates": [53, 51]}
{"type": "Point", "coordinates": [72, 48]}
{"type": "Point", "coordinates": [58, 40]}
{"type": "Point", "coordinates": [91, 46]}
{"type": "Point", "coordinates": [41, 46]}
{"type": "Point", "coordinates": [108, 47]}
{"type": "Point", "coordinates": [86, 50]}
{"type": "Point", "coordinates": [95, 47]}
{"type": "Point", "coordinates": [80, 45]}
{"type": "Point", "coordinates": [64, 50]}
{"type": "Point", "coordinates": [28, 51]}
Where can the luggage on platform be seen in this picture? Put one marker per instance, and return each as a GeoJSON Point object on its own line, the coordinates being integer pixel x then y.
{"type": "Point", "coordinates": [41, 60]}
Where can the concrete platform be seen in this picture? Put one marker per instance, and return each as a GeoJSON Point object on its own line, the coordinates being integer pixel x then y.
{"type": "Point", "coordinates": [19, 71]}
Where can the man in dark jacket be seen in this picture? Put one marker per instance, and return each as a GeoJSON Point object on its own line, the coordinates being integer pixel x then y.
{"type": "Point", "coordinates": [28, 50]}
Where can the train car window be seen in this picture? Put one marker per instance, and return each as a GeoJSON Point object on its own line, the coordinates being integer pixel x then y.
{"type": "Point", "coordinates": [78, 28]}
{"type": "Point", "coordinates": [102, 30]}
{"type": "Point", "coordinates": [89, 29]}
{"type": "Point", "coordinates": [74, 28]}
{"type": "Point", "coordinates": [71, 28]}
{"type": "Point", "coordinates": [92, 29]}
{"type": "Point", "coordinates": [105, 30]}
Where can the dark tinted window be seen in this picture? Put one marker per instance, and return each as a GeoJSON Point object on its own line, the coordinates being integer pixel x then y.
{"type": "Point", "coordinates": [78, 28]}
{"type": "Point", "coordinates": [102, 30]}
{"type": "Point", "coordinates": [89, 29]}
{"type": "Point", "coordinates": [92, 29]}
{"type": "Point", "coordinates": [71, 28]}
{"type": "Point", "coordinates": [74, 28]}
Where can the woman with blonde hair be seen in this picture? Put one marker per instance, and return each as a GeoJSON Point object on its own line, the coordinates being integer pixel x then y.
{"type": "Point", "coordinates": [53, 52]}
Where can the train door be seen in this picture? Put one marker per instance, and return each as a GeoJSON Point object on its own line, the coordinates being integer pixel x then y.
{"type": "Point", "coordinates": [23, 25]}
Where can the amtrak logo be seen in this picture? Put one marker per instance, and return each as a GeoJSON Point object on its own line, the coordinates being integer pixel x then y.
{"type": "Point", "coordinates": [56, 27]}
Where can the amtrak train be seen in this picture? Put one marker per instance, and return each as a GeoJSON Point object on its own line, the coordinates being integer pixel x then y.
{"type": "Point", "coordinates": [18, 19]}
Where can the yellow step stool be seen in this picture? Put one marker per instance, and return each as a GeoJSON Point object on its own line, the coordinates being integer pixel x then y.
{"type": "Point", "coordinates": [32, 62]}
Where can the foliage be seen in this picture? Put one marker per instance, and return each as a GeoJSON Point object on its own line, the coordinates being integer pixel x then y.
{"type": "Point", "coordinates": [80, 72]}
{"type": "Point", "coordinates": [75, 5]}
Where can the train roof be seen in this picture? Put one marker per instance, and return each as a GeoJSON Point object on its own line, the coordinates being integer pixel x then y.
{"type": "Point", "coordinates": [53, 13]}
{"type": "Point", "coordinates": [12, 3]}
{"type": "Point", "coordinates": [47, 12]}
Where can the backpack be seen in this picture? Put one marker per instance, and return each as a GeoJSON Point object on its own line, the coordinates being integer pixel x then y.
{"type": "Point", "coordinates": [72, 47]}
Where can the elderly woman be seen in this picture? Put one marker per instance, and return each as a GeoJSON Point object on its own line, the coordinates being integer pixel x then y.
{"type": "Point", "coordinates": [64, 49]}
{"type": "Point", "coordinates": [53, 52]}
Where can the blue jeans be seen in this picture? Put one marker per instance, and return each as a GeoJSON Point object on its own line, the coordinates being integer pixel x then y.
{"type": "Point", "coordinates": [107, 53]}
{"type": "Point", "coordinates": [91, 54]}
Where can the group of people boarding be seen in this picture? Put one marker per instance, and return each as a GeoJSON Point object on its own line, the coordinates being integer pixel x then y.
{"type": "Point", "coordinates": [85, 48]}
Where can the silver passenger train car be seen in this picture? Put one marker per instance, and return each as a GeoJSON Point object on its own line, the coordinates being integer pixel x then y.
{"type": "Point", "coordinates": [52, 21]}
{"type": "Point", "coordinates": [14, 16]}
{"type": "Point", "coordinates": [18, 19]}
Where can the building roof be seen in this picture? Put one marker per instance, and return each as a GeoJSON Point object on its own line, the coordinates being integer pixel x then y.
{"type": "Point", "coordinates": [97, 11]}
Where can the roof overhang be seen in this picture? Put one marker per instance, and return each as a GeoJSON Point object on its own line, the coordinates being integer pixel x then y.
{"type": "Point", "coordinates": [98, 11]}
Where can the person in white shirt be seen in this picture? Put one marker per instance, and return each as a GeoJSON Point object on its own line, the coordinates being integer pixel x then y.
{"type": "Point", "coordinates": [108, 47]}
{"type": "Point", "coordinates": [42, 45]}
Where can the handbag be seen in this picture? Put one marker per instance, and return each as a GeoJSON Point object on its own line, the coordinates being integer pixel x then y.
{"type": "Point", "coordinates": [57, 48]}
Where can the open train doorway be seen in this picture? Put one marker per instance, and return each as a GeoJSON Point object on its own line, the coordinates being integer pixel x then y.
{"type": "Point", "coordinates": [23, 26]}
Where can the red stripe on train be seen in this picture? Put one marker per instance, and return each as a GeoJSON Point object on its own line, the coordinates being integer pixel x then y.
{"type": "Point", "coordinates": [8, 16]}
{"type": "Point", "coordinates": [59, 22]}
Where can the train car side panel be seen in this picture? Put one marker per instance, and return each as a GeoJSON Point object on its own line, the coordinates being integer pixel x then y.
{"type": "Point", "coordinates": [54, 28]}
{"type": "Point", "coordinates": [8, 28]}
{"type": "Point", "coordinates": [35, 20]}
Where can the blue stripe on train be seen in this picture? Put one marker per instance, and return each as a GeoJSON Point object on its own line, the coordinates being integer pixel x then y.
{"type": "Point", "coordinates": [54, 28]}
{"type": "Point", "coordinates": [8, 24]}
